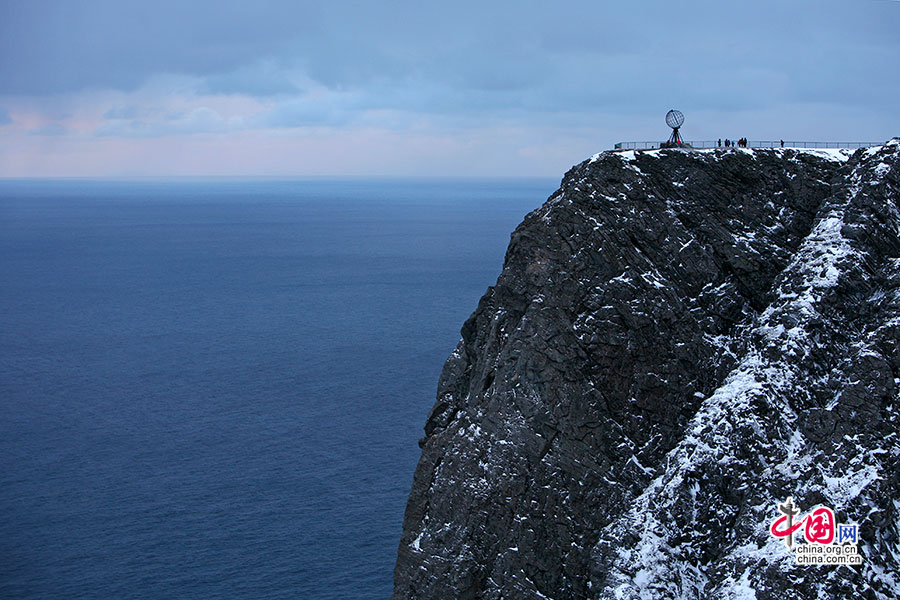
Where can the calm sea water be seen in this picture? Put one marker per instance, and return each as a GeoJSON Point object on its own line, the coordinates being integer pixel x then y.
{"type": "Point", "coordinates": [214, 389]}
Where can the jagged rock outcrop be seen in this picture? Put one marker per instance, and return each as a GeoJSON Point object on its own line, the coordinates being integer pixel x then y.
{"type": "Point", "coordinates": [678, 340]}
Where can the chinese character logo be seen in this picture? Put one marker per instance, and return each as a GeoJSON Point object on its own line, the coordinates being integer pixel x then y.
{"type": "Point", "coordinates": [820, 530]}
{"type": "Point", "coordinates": [820, 526]}
{"type": "Point", "coordinates": [784, 527]}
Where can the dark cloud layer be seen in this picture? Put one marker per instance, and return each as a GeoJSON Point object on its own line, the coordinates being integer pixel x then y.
{"type": "Point", "coordinates": [114, 69]}
{"type": "Point", "coordinates": [61, 46]}
{"type": "Point", "coordinates": [524, 54]}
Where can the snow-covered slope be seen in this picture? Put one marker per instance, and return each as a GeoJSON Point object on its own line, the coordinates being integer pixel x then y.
{"type": "Point", "coordinates": [678, 342]}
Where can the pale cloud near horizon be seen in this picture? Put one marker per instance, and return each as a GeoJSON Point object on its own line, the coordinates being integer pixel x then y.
{"type": "Point", "coordinates": [401, 88]}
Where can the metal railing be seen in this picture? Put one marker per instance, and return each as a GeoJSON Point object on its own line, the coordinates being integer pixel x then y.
{"type": "Point", "coordinates": [706, 144]}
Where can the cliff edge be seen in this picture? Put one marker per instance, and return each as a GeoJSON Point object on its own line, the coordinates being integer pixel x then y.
{"type": "Point", "coordinates": [678, 342]}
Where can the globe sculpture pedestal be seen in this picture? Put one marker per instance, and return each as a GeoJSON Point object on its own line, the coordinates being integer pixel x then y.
{"type": "Point", "coordinates": [674, 119]}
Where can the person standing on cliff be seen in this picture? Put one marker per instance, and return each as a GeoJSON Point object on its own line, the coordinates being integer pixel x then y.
{"type": "Point", "coordinates": [720, 142]}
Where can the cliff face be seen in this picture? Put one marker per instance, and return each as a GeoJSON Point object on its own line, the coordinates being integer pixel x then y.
{"type": "Point", "coordinates": [678, 341]}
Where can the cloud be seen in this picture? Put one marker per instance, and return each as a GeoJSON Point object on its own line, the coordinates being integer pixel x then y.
{"type": "Point", "coordinates": [196, 121]}
{"type": "Point", "coordinates": [121, 112]}
{"type": "Point", "coordinates": [50, 129]}
{"type": "Point", "coordinates": [459, 57]}
{"type": "Point", "coordinates": [257, 80]}
{"type": "Point", "coordinates": [55, 46]}
{"type": "Point", "coordinates": [305, 112]}
{"type": "Point", "coordinates": [5, 119]}
{"type": "Point", "coordinates": [578, 70]}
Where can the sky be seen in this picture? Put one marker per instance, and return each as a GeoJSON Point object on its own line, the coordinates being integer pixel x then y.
{"type": "Point", "coordinates": [120, 88]}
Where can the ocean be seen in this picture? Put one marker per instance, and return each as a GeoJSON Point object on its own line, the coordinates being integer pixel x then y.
{"type": "Point", "coordinates": [214, 388]}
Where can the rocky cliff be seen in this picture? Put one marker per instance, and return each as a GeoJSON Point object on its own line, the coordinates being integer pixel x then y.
{"type": "Point", "coordinates": [678, 342]}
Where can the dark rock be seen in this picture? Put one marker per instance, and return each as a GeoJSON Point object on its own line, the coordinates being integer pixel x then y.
{"type": "Point", "coordinates": [678, 340]}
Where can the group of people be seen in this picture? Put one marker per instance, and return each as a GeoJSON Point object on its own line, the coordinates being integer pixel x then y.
{"type": "Point", "coordinates": [741, 143]}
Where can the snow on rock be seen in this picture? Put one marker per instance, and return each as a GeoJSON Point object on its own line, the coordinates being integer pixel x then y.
{"type": "Point", "coordinates": [678, 341]}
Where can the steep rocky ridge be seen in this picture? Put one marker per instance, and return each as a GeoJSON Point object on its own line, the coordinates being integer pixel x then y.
{"type": "Point", "coordinates": [677, 341]}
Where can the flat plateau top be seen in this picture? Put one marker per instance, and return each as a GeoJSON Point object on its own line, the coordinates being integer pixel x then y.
{"type": "Point", "coordinates": [838, 154]}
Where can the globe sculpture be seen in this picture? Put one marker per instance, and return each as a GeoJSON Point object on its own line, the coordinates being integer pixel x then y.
{"type": "Point", "coordinates": [674, 119]}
